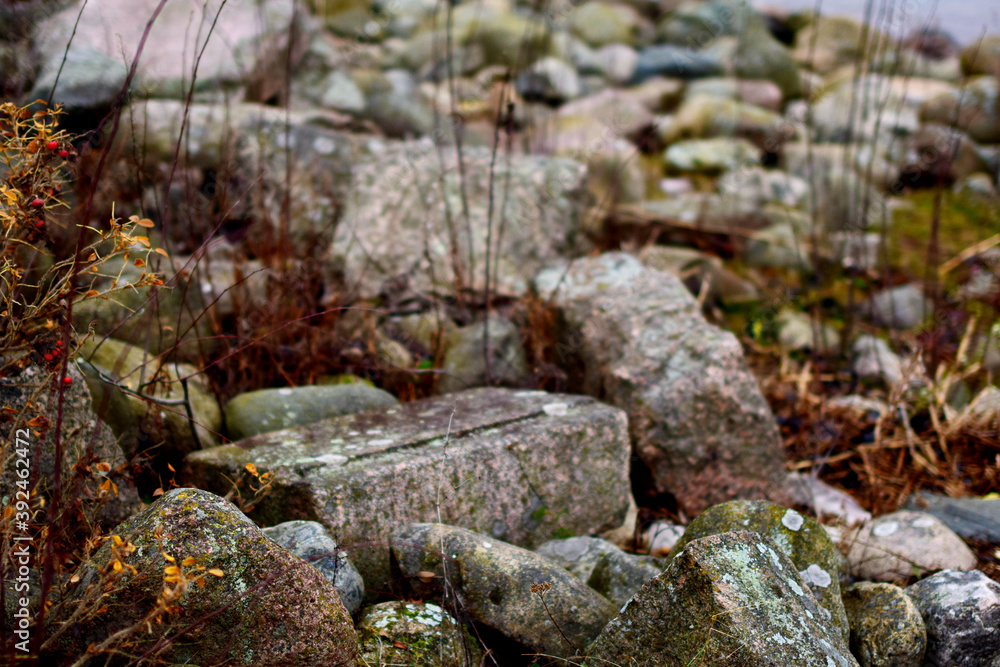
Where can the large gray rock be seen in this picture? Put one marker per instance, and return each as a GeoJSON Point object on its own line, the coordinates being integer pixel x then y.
{"type": "Point", "coordinates": [238, 43]}
{"type": "Point", "coordinates": [886, 627]}
{"type": "Point", "coordinates": [697, 418]}
{"type": "Point", "coordinates": [971, 108]}
{"type": "Point", "coordinates": [499, 585]}
{"type": "Point", "coordinates": [712, 156]}
{"type": "Point", "coordinates": [250, 584]}
{"type": "Point", "coordinates": [399, 226]}
{"type": "Point", "coordinates": [972, 518]}
{"type": "Point", "coordinates": [902, 307]}
{"type": "Point", "coordinates": [492, 460]}
{"type": "Point", "coordinates": [961, 612]}
{"type": "Point", "coordinates": [704, 116]}
{"type": "Point", "coordinates": [729, 599]}
{"type": "Point", "coordinates": [311, 542]}
{"type": "Point", "coordinates": [265, 410]}
{"type": "Point", "coordinates": [903, 544]}
{"type": "Point", "coordinates": [802, 539]}
{"type": "Point", "coordinates": [613, 573]}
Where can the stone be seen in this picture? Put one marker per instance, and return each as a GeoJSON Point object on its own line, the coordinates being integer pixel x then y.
{"type": "Point", "coordinates": [622, 116]}
{"type": "Point", "coordinates": [779, 244]}
{"type": "Point", "coordinates": [830, 42]}
{"type": "Point", "coordinates": [617, 63]}
{"type": "Point", "coordinates": [727, 595]}
{"type": "Point", "coordinates": [602, 23]}
{"type": "Point", "coordinates": [407, 238]}
{"type": "Point", "coordinates": [712, 156]}
{"type": "Point", "coordinates": [519, 593]}
{"type": "Point", "coordinates": [936, 148]}
{"type": "Point", "coordinates": [465, 364]}
{"type": "Point", "coordinates": [493, 460]}
{"type": "Point", "coordinates": [886, 627]}
{"type": "Point", "coordinates": [797, 332]}
{"type": "Point", "coordinates": [874, 359]}
{"type": "Point", "coordinates": [675, 61]}
{"type": "Point", "coordinates": [549, 80]}
{"type": "Point", "coordinates": [972, 109]}
{"type": "Point", "coordinates": [613, 573]}
{"type": "Point", "coordinates": [696, 416]}
{"type": "Point", "coordinates": [961, 611]}
{"type": "Point", "coordinates": [416, 634]}
{"type": "Point", "coordinates": [700, 271]}
{"type": "Point", "coordinates": [505, 38]}
{"type": "Point", "coordinates": [661, 537]}
{"type": "Point", "coordinates": [708, 116]}
{"type": "Point", "coordinates": [760, 56]}
{"type": "Point", "coordinates": [975, 519]}
{"type": "Point", "coordinates": [29, 437]}
{"type": "Point", "coordinates": [261, 586]}
{"type": "Point", "coordinates": [756, 92]}
{"type": "Point", "coordinates": [243, 43]}
{"type": "Point", "coordinates": [982, 56]}
{"type": "Point", "coordinates": [901, 308]}
{"type": "Point", "coordinates": [903, 544]}
{"type": "Point", "coordinates": [313, 543]}
{"type": "Point", "coordinates": [824, 499]}
{"type": "Point", "coordinates": [765, 186]}
{"type": "Point", "coordinates": [799, 537]}
{"type": "Point", "coordinates": [174, 412]}
{"type": "Point", "coordinates": [656, 93]}
{"type": "Point", "coordinates": [265, 410]}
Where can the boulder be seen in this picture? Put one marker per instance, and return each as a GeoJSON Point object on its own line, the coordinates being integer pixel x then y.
{"type": "Point", "coordinates": [728, 595]}
{"type": "Point", "coordinates": [712, 156]}
{"type": "Point", "coordinates": [972, 109]}
{"type": "Point", "coordinates": [249, 584]}
{"type": "Point", "coordinates": [613, 573]}
{"type": "Point", "coordinates": [972, 518]}
{"type": "Point", "coordinates": [706, 116]}
{"type": "Point", "coordinates": [465, 362]}
{"type": "Point", "coordinates": [675, 61]}
{"type": "Point", "coordinates": [521, 594]}
{"type": "Point", "coordinates": [982, 56]}
{"type": "Point", "coordinates": [492, 460]}
{"type": "Point", "coordinates": [266, 410]}
{"type": "Point", "coordinates": [961, 611]}
{"type": "Point", "coordinates": [602, 23]}
{"type": "Point", "coordinates": [636, 337]}
{"type": "Point", "coordinates": [904, 544]}
{"type": "Point", "coordinates": [886, 627]}
{"type": "Point", "coordinates": [416, 634]}
{"type": "Point", "coordinates": [803, 540]}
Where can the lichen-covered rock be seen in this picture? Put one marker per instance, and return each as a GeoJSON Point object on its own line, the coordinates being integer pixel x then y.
{"type": "Point", "coordinates": [313, 543]}
{"type": "Point", "coordinates": [493, 460]}
{"type": "Point", "coordinates": [727, 599]}
{"type": "Point", "coordinates": [636, 338]}
{"type": "Point", "coordinates": [145, 423]}
{"type": "Point", "coordinates": [517, 592]}
{"type": "Point", "coordinates": [466, 366]}
{"type": "Point", "coordinates": [802, 539]}
{"type": "Point", "coordinates": [420, 235]}
{"type": "Point", "coordinates": [903, 544]}
{"type": "Point", "coordinates": [266, 410]}
{"type": "Point", "coordinates": [971, 108]}
{"type": "Point", "coordinates": [613, 573]}
{"type": "Point", "coordinates": [886, 627]}
{"type": "Point", "coordinates": [414, 634]}
{"type": "Point", "coordinates": [712, 156]}
{"type": "Point", "coordinates": [961, 612]}
{"type": "Point", "coordinates": [268, 607]}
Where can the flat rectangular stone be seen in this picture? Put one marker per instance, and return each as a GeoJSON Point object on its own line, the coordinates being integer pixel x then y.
{"type": "Point", "coordinates": [523, 466]}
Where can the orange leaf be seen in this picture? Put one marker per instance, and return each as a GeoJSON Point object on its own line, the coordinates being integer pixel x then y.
{"type": "Point", "coordinates": [217, 572]}
{"type": "Point", "coordinates": [158, 492]}
{"type": "Point", "coordinates": [91, 293]}
{"type": "Point", "coordinates": [188, 562]}
{"type": "Point", "coordinates": [252, 469]}
{"type": "Point", "coordinates": [144, 240]}
{"type": "Point", "coordinates": [139, 262]}
{"type": "Point", "coordinates": [161, 251]}
{"type": "Point", "coordinates": [145, 222]}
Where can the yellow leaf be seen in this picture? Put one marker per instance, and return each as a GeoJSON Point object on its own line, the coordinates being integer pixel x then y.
{"type": "Point", "coordinates": [103, 467]}
{"type": "Point", "coordinates": [171, 569]}
{"type": "Point", "coordinates": [170, 558]}
{"type": "Point", "coordinates": [161, 251]}
{"type": "Point", "coordinates": [188, 562]}
{"type": "Point", "coordinates": [201, 582]}
{"type": "Point", "coordinates": [252, 469]}
{"type": "Point", "coordinates": [75, 578]}
{"type": "Point", "coordinates": [117, 540]}
{"type": "Point", "coordinates": [217, 572]}
{"type": "Point", "coordinates": [117, 565]}
{"type": "Point", "coordinates": [144, 240]}
{"type": "Point", "coordinates": [145, 222]}
{"type": "Point", "coordinates": [93, 257]}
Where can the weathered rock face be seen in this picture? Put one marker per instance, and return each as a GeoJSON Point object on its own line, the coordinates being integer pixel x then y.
{"type": "Point", "coordinates": [268, 410]}
{"type": "Point", "coordinates": [961, 611]}
{"type": "Point", "coordinates": [903, 544]}
{"type": "Point", "coordinates": [414, 634]}
{"type": "Point", "coordinates": [886, 627]}
{"type": "Point", "coordinates": [247, 46]}
{"type": "Point", "coordinates": [972, 518]}
{"type": "Point", "coordinates": [400, 225]}
{"type": "Point", "coordinates": [696, 416]}
{"type": "Point", "coordinates": [727, 599]}
{"type": "Point", "coordinates": [262, 586]}
{"type": "Point", "coordinates": [81, 437]}
{"type": "Point", "coordinates": [498, 585]}
{"type": "Point", "coordinates": [492, 460]}
{"type": "Point", "coordinates": [466, 366]}
{"type": "Point", "coordinates": [800, 538]}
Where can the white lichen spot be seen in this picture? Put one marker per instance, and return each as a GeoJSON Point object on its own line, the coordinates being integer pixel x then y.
{"type": "Point", "coordinates": [923, 522]}
{"type": "Point", "coordinates": [332, 459]}
{"type": "Point", "coordinates": [792, 520]}
{"type": "Point", "coordinates": [796, 589]}
{"type": "Point", "coordinates": [324, 146]}
{"type": "Point", "coordinates": [374, 431]}
{"type": "Point", "coordinates": [487, 545]}
{"type": "Point", "coordinates": [380, 443]}
{"type": "Point", "coordinates": [816, 576]}
{"type": "Point", "coordinates": [885, 529]}
{"type": "Point", "coordinates": [555, 409]}
{"type": "Point", "coordinates": [284, 392]}
{"type": "Point", "coordinates": [354, 433]}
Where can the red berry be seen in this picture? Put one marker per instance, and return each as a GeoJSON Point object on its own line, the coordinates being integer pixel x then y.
{"type": "Point", "coordinates": [39, 224]}
{"type": "Point", "coordinates": [67, 380]}
{"type": "Point", "coordinates": [64, 153]}
{"type": "Point", "coordinates": [58, 343]}
{"type": "Point", "coordinates": [48, 356]}
{"type": "Point", "coordinates": [53, 145]}
{"type": "Point", "coordinates": [37, 203]}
